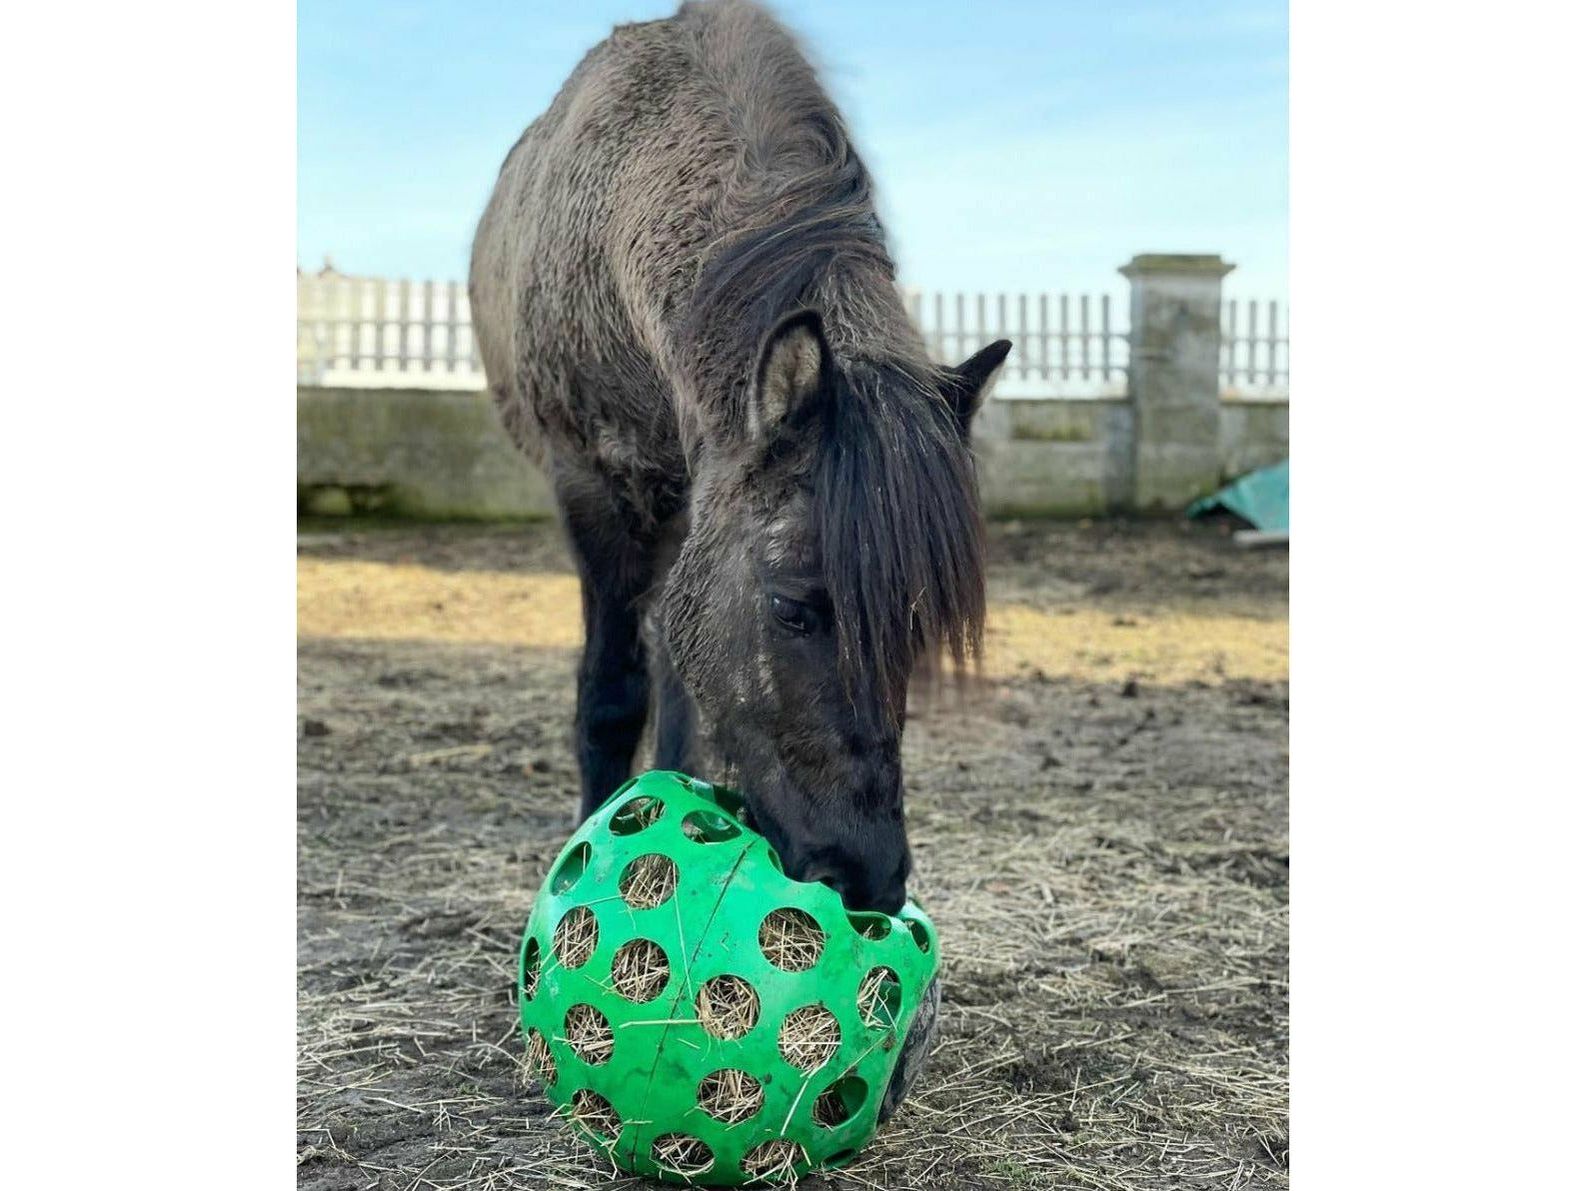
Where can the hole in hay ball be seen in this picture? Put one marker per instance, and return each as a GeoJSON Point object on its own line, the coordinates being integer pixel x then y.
{"type": "Point", "coordinates": [574, 940]}
{"type": "Point", "coordinates": [772, 1160]}
{"type": "Point", "coordinates": [594, 1112]}
{"type": "Point", "coordinates": [731, 801]}
{"type": "Point", "coordinates": [839, 1102]}
{"type": "Point", "coordinates": [588, 1033]}
{"type": "Point", "coordinates": [531, 979]}
{"type": "Point", "coordinates": [708, 827]}
{"type": "Point", "coordinates": [538, 1063]}
{"type": "Point", "coordinates": [727, 1007]}
{"type": "Point", "coordinates": [635, 815]}
{"type": "Point", "coordinates": [648, 881]}
{"type": "Point", "coordinates": [730, 1095]}
{"type": "Point", "coordinates": [808, 1037]}
{"type": "Point", "coordinates": [872, 926]}
{"type": "Point", "coordinates": [639, 970]}
{"type": "Point", "coordinates": [790, 939]}
{"type": "Point", "coordinates": [570, 870]}
{"type": "Point", "coordinates": [922, 939]}
{"type": "Point", "coordinates": [681, 1154]}
{"type": "Point", "coordinates": [879, 998]}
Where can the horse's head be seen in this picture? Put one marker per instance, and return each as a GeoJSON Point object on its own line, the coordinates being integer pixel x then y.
{"type": "Point", "coordinates": [834, 542]}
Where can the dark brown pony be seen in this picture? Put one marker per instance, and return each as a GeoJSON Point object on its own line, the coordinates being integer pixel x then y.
{"type": "Point", "coordinates": [687, 313]}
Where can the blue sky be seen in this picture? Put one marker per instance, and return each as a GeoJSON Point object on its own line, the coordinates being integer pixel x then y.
{"type": "Point", "coordinates": [1016, 145]}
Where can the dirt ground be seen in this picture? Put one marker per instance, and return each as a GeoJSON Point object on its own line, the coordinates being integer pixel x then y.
{"type": "Point", "coordinates": [1099, 829]}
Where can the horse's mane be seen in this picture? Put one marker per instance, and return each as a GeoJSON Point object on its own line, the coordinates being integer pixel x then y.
{"type": "Point", "coordinates": [899, 529]}
{"type": "Point", "coordinates": [894, 487]}
{"type": "Point", "coordinates": [796, 209]}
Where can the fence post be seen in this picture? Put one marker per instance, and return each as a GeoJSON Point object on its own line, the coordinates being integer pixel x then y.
{"type": "Point", "coordinates": [1174, 376]}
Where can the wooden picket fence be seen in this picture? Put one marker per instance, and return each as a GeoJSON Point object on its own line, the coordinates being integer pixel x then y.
{"type": "Point", "coordinates": [1256, 360]}
{"type": "Point", "coordinates": [1058, 338]}
{"type": "Point", "coordinates": [392, 331]}
{"type": "Point", "coordinates": [372, 331]}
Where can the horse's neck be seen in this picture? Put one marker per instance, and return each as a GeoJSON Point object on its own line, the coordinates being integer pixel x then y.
{"type": "Point", "coordinates": [866, 322]}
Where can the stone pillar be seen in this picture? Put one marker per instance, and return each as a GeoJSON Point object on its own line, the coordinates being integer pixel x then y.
{"type": "Point", "coordinates": [1174, 377]}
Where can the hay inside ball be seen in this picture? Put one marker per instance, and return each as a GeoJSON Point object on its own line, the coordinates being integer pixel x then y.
{"type": "Point", "coordinates": [696, 1015]}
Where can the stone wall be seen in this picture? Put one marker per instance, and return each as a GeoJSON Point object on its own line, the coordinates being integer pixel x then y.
{"type": "Point", "coordinates": [1252, 434]}
{"type": "Point", "coordinates": [1060, 458]}
{"type": "Point", "coordinates": [443, 455]}
{"type": "Point", "coordinates": [414, 453]}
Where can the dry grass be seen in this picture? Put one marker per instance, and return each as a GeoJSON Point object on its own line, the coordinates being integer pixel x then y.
{"type": "Point", "coordinates": [648, 881]}
{"type": "Point", "coordinates": [538, 1063]}
{"type": "Point", "coordinates": [682, 1154]}
{"type": "Point", "coordinates": [879, 994]}
{"type": "Point", "coordinates": [730, 1095]}
{"type": "Point", "coordinates": [594, 1112]}
{"type": "Point", "coordinates": [574, 940]}
{"type": "Point", "coordinates": [1106, 862]}
{"type": "Point", "coordinates": [830, 1108]}
{"type": "Point", "coordinates": [708, 827]}
{"type": "Point", "coordinates": [636, 815]}
{"type": "Point", "coordinates": [531, 970]}
{"type": "Point", "coordinates": [639, 970]}
{"type": "Point", "coordinates": [727, 1007]}
{"type": "Point", "coordinates": [808, 1037]}
{"type": "Point", "coordinates": [791, 939]}
{"type": "Point", "coordinates": [362, 599]}
{"type": "Point", "coordinates": [588, 1033]}
{"type": "Point", "coordinates": [773, 1161]}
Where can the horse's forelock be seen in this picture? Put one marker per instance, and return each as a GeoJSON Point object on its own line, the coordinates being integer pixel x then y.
{"type": "Point", "coordinates": [898, 527]}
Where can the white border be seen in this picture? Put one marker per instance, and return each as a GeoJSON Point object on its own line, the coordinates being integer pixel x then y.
{"type": "Point", "coordinates": [149, 594]}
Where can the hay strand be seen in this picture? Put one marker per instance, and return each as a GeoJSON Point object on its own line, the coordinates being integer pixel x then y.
{"type": "Point", "coordinates": [594, 1112]}
{"type": "Point", "coordinates": [808, 1037]}
{"type": "Point", "coordinates": [791, 939]}
{"type": "Point", "coordinates": [878, 999]}
{"type": "Point", "coordinates": [681, 1154]}
{"type": "Point", "coordinates": [730, 1095]}
{"type": "Point", "coordinates": [648, 881]}
{"type": "Point", "coordinates": [727, 1007]}
{"type": "Point", "coordinates": [707, 827]}
{"type": "Point", "coordinates": [531, 970]}
{"type": "Point", "coordinates": [774, 1161]}
{"type": "Point", "coordinates": [574, 941]}
{"type": "Point", "coordinates": [639, 971]}
{"type": "Point", "coordinates": [588, 1033]}
{"type": "Point", "coordinates": [636, 815]}
{"type": "Point", "coordinates": [830, 1108]}
{"type": "Point", "coordinates": [537, 1063]}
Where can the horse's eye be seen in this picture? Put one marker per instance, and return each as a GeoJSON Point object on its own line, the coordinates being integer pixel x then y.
{"type": "Point", "coordinates": [792, 614]}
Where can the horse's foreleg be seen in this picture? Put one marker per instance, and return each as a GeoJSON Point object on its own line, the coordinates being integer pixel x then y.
{"type": "Point", "coordinates": [675, 716]}
{"type": "Point", "coordinates": [614, 686]}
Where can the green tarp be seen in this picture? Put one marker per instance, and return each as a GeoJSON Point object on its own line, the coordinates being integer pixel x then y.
{"type": "Point", "coordinates": [1261, 497]}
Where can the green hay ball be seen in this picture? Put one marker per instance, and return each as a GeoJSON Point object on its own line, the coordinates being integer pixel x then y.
{"type": "Point", "coordinates": [700, 1017]}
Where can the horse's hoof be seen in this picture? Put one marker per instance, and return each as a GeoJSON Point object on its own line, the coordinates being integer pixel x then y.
{"type": "Point", "coordinates": [917, 1045]}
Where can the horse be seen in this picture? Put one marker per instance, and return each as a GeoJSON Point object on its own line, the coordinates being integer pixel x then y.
{"type": "Point", "coordinates": [687, 315]}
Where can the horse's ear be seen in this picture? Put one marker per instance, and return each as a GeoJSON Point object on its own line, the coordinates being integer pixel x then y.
{"type": "Point", "coordinates": [967, 384]}
{"type": "Point", "coordinates": [794, 369]}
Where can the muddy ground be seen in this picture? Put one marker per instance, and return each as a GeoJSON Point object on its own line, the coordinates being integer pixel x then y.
{"type": "Point", "coordinates": [1100, 834]}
